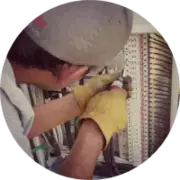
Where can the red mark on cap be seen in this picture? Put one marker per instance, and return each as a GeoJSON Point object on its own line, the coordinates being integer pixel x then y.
{"type": "Point", "coordinates": [39, 21]}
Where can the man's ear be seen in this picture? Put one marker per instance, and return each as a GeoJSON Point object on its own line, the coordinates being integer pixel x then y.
{"type": "Point", "coordinates": [80, 72]}
{"type": "Point", "coordinates": [71, 73]}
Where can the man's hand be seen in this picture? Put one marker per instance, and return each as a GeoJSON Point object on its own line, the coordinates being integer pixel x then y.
{"type": "Point", "coordinates": [105, 114]}
{"type": "Point", "coordinates": [109, 110]}
{"type": "Point", "coordinates": [95, 85]}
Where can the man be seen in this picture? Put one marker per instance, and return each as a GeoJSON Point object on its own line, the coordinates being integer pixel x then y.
{"type": "Point", "coordinates": [55, 50]}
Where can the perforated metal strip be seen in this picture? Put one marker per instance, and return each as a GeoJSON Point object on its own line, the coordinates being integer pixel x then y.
{"type": "Point", "coordinates": [132, 55]}
{"type": "Point", "coordinates": [144, 78]}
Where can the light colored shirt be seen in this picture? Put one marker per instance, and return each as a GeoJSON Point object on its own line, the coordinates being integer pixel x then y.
{"type": "Point", "coordinates": [17, 110]}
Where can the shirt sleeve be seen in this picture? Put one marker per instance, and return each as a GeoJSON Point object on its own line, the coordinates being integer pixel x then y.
{"type": "Point", "coordinates": [12, 118]}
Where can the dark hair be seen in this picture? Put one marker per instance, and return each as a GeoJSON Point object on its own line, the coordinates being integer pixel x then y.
{"type": "Point", "coordinates": [27, 53]}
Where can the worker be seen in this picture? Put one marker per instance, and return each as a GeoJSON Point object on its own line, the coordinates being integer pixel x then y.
{"type": "Point", "coordinates": [55, 50]}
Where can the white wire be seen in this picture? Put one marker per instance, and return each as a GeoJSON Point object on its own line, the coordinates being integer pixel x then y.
{"type": "Point", "coordinates": [47, 142]}
{"type": "Point", "coordinates": [55, 134]}
{"type": "Point", "coordinates": [59, 134]}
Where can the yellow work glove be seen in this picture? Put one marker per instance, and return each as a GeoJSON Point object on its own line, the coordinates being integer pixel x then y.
{"type": "Point", "coordinates": [109, 110]}
{"type": "Point", "coordinates": [84, 93]}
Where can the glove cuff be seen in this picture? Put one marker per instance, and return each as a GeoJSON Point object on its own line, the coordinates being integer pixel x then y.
{"type": "Point", "coordinates": [107, 132]}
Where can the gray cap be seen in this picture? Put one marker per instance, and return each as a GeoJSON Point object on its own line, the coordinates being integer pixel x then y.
{"type": "Point", "coordinates": [89, 33]}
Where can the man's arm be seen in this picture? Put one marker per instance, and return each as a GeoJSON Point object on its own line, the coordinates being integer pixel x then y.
{"type": "Point", "coordinates": [99, 122]}
{"type": "Point", "coordinates": [81, 162]}
{"type": "Point", "coordinates": [54, 113]}
{"type": "Point", "coordinates": [48, 116]}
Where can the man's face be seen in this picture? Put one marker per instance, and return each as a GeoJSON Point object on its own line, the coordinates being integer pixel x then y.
{"type": "Point", "coordinates": [65, 76]}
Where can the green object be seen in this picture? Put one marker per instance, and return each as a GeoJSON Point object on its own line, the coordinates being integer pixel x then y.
{"type": "Point", "coordinates": [76, 118]}
{"type": "Point", "coordinates": [73, 121]}
{"type": "Point", "coordinates": [40, 147]}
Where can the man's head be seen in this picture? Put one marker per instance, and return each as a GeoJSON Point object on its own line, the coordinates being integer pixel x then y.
{"type": "Point", "coordinates": [61, 45]}
{"type": "Point", "coordinates": [34, 65]}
